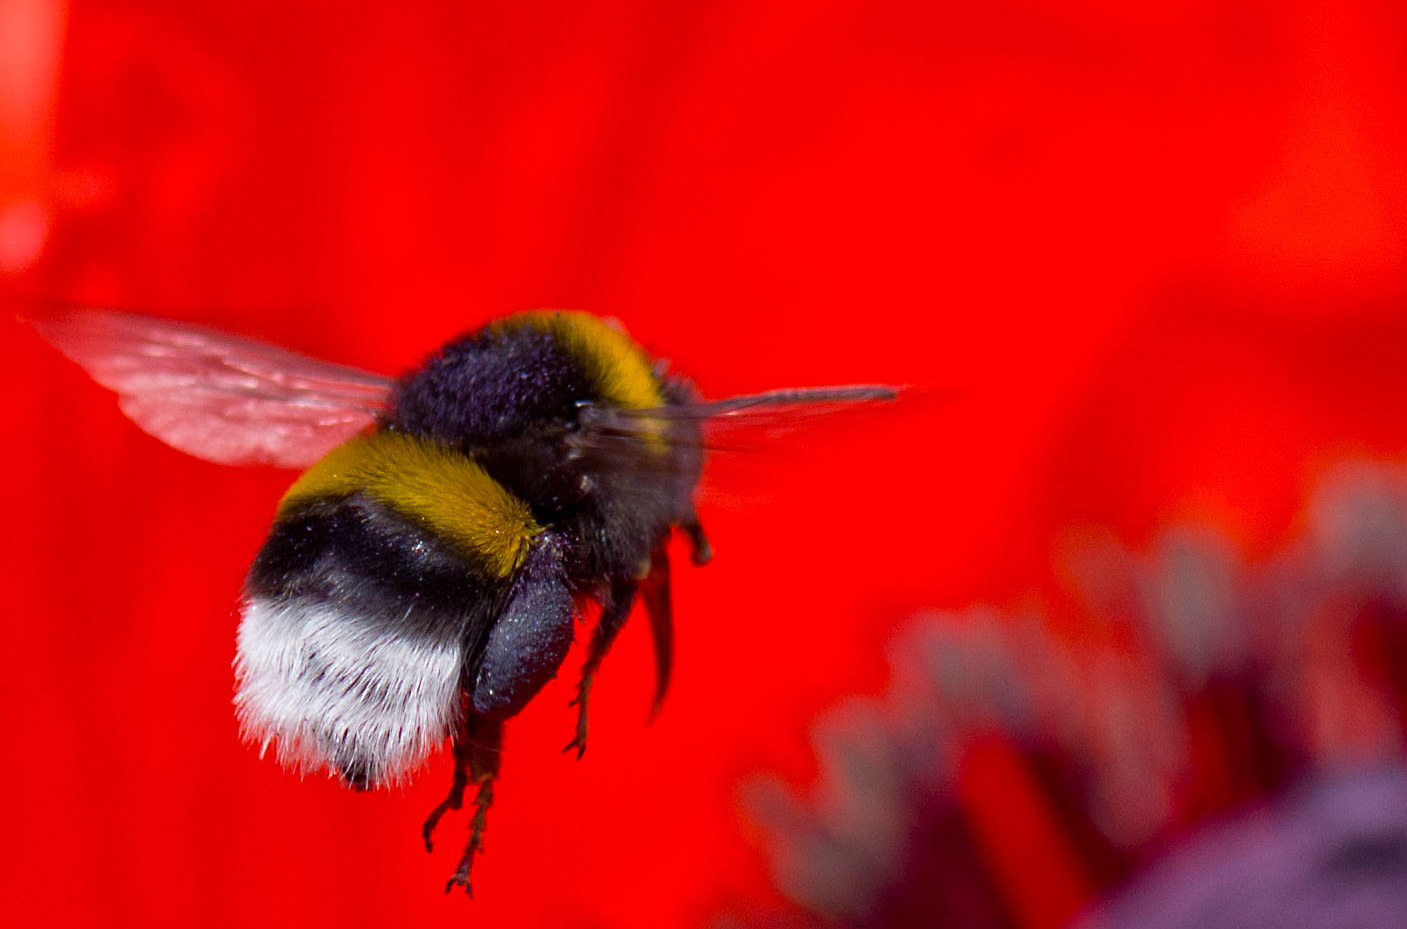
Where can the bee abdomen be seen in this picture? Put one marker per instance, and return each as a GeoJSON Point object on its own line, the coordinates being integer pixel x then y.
{"type": "Point", "coordinates": [330, 688]}
{"type": "Point", "coordinates": [442, 490]}
{"type": "Point", "coordinates": [389, 562]}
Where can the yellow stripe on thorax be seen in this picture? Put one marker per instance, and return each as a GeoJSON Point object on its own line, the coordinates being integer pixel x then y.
{"type": "Point", "coordinates": [439, 488]}
{"type": "Point", "coordinates": [618, 367]}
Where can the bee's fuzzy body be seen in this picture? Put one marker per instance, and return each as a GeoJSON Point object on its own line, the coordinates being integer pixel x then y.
{"type": "Point", "coordinates": [443, 553]}
{"type": "Point", "coordinates": [422, 578]}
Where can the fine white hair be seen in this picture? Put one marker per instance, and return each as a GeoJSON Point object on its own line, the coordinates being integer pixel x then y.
{"type": "Point", "coordinates": [329, 688]}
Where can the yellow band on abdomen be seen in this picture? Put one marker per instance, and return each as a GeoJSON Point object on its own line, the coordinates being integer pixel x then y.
{"type": "Point", "coordinates": [444, 491]}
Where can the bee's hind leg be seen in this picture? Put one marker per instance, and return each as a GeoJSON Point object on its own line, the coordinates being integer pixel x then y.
{"type": "Point", "coordinates": [455, 798]}
{"type": "Point", "coordinates": [477, 747]}
{"type": "Point", "coordinates": [613, 616]}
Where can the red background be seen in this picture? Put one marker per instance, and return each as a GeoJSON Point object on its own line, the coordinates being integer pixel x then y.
{"type": "Point", "coordinates": [1158, 255]}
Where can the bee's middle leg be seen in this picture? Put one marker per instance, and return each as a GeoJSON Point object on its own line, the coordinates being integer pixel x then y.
{"type": "Point", "coordinates": [613, 616]}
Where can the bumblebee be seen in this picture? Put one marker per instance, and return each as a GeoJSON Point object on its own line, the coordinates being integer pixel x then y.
{"type": "Point", "coordinates": [423, 577]}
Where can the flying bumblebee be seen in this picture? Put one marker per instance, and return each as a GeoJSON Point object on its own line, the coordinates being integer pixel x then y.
{"type": "Point", "coordinates": [423, 576]}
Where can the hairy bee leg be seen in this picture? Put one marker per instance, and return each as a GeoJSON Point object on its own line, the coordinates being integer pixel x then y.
{"type": "Point", "coordinates": [700, 549]}
{"type": "Point", "coordinates": [530, 639]}
{"type": "Point", "coordinates": [484, 744]}
{"type": "Point", "coordinates": [482, 801]}
{"type": "Point", "coordinates": [454, 800]}
{"type": "Point", "coordinates": [654, 590]}
{"type": "Point", "coordinates": [613, 617]}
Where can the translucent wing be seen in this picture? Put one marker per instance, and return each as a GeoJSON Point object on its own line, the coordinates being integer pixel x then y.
{"type": "Point", "coordinates": [761, 433]}
{"type": "Point", "coordinates": [773, 402]}
{"type": "Point", "coordinates": [219, 397]}
{"type": "Point", "coordinates": [770, 414]}
{"type": "Point", "coordinates": [734, 423]}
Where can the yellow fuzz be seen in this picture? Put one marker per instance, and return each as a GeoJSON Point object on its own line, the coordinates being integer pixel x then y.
{"type": "Point", "coordinates": [620, 369]}
{"type": "Point", "coordinates": [444, 491]}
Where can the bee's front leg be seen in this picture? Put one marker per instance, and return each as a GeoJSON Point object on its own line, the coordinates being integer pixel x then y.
{"type": "Point", "coordinates": [654, 590]}
{"type": "Point", "coordinates": [700, 549]}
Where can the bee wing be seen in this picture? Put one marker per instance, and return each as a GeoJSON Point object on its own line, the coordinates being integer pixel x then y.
{"type": "Point", "coordinates": [754, 432]}
{"type": "Point", "coordinates": [739, 422]}
{"type": "Point", "coordinates": [215, 396]}
{"type": "Point", "coordinates": [774, 403]}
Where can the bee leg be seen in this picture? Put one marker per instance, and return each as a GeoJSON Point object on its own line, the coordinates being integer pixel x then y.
{"type": "Point", "coordinates": [613, 615]}
{"type": "Point", "coordinates": [700, 551]}
{"type": "Point", "coordinates": [484, 743]}
{"type": "Point", "coordinates": [529, 639]}
{"type": "Point", "coordinates": [455, 799]}
{"type": "Point", "coordinates": [654, 590]}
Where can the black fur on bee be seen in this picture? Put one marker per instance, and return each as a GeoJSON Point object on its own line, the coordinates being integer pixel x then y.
{"type": "Point", "coordinates": [445, 555]}
{"type": "Point", "coordinates": [423, 577]}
